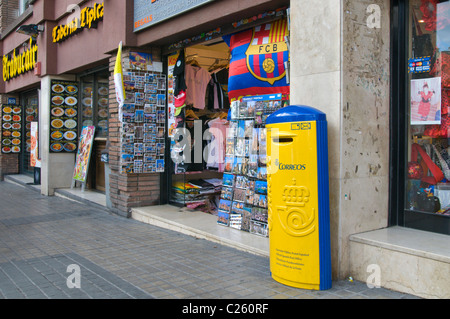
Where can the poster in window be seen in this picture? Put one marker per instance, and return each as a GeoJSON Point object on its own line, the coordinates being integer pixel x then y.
{"type": "Point", "coordinates": [426, 101]}
{"type": "Point", "coordinates": [84, 153]}
{"type": "Point", "coordinates": [11, 125]}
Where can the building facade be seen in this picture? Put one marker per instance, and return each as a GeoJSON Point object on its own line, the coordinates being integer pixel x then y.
{"type": "Point", "coordinates": [348, 59]}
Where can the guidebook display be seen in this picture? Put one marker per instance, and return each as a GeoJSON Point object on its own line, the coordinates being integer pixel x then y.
{"type": "Point", "coordinates": [243, 201]}
{"type": "Point", "coordinates": [143, 122]}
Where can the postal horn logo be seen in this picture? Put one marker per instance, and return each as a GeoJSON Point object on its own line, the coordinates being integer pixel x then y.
{"type": "Point", "coordinates": [265, 54]}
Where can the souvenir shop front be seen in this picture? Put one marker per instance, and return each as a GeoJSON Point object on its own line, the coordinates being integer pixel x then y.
{"type": "Point", "coordinates": [219, 95]}
{"type": "Point", "coordinates": [421, 196]}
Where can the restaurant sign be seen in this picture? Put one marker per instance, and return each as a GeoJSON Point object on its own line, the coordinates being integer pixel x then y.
{"type": "Point", "coordinates": [86, 18]}
{"type": "Point", "coordinates": [15, 65]}
{"type": "Point", "coordinates": [151, 12]}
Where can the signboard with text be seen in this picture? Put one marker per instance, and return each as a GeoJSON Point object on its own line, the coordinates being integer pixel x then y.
{"type": "Point", "coordinates": [148, 13]}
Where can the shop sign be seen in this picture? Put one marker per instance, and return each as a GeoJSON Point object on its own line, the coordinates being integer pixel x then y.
{"type": "Point", "coordinates": [15, 65]}
{"type": "Point", "coordinates": [87, 19]}
{"type": "Point", "coordinates": [148, 13]}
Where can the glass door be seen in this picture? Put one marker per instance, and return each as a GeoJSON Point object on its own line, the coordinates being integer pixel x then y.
{"type": "Point", "coordinates": [427, 177]}
{"type": "Point", "coordinates": [30, 106]}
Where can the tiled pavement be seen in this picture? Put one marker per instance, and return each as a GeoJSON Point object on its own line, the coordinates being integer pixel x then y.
{"type": "Point", "coordinates": [118, 258]}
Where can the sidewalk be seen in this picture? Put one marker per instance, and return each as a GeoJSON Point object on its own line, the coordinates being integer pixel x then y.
{"type": "Point", "coordinates": [119, 258]}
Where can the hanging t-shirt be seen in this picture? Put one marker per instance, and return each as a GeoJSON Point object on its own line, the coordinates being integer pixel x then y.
{"type": "Point", "coordinates": [197, 80]}
{"type": "Point", "coordinates": [216, 147]}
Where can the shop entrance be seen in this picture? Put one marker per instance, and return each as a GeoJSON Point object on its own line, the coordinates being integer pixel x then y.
{"type": "Point", "coordinates": [94, 111]}
{"type": "Point", "coordinates": [220, 94]}
{"type": "Point", "coordinates": [30, 105]}
{"type": "Point", "coordinates": [195, 182]}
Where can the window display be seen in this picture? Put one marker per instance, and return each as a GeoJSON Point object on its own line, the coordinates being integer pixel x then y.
{"type": "Point", "coordinates": [428, 173]}
{"type": "Point", "coordinates": [63, 117]}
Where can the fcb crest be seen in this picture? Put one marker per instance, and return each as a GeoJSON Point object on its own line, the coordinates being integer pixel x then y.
{"type": "Point", "coordinates": [268, 51]}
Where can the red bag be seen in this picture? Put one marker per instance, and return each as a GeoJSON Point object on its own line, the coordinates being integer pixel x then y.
{"type": "Point", "coordinates": [439, 131]}
{"type": "Point", "coordinates": [415, 170]}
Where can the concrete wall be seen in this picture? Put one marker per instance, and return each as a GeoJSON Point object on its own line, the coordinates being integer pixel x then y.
{"type": "Point", "coordinates": [341, 66]}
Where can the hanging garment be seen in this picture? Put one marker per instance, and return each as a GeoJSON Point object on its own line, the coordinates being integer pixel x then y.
{"type": "Point", "coordinates": [215, 155]}
{"type": "Point", "coordinates": [197, 80]}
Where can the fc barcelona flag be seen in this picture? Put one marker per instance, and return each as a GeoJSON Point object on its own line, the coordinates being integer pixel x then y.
{"type": "Point", "coordinates": [257, 60]}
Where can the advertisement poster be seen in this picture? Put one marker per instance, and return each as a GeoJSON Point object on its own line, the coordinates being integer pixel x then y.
{"type": "Point", "coordinates": [63, 117]}
{"type": "Point", "coordinates": [84, 153]}
{"type": "Point", "coordinates": [171, 121]}
{"type": "Point", "coordinates": [34, 153]}
{"type": "Point", "coordinates": [11, 129]}
{"type": "Point", "coordinates": [426, 101]}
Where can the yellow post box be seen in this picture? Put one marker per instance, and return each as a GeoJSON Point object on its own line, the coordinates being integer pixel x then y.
{"type": "Point", "coordinates": [298, 198]}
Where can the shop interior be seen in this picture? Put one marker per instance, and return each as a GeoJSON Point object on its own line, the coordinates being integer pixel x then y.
{"type": "Point", "coordinates": [198, 185]}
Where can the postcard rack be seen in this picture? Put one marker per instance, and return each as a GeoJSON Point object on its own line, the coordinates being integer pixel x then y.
{"type": "Point", "coordinates": [243, 202]}
{"type": "Point", "coordinates": [143, 122]}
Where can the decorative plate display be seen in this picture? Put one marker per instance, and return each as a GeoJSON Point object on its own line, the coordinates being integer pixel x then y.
{"type": "Point", "coordinates": [88, 123]}
{"type": "Point", "coordinates": [87, 101]}
{"type": "Point", "coordinates": [29, 110]}
{"type": "Point", "coordinates": [87, 112]}
{"type": "Point", "coordinates": [17, 110]}
{"type": "Point", "coordinates": [70, 147]}
{"type": "Point", "coordinates": [56, 147]}
{"type": "Point", "coordinates": [7, 126]}
{"type": "Point", "coordinates": [56, 135]}
{"type": "Point", "coordinates": [58, 88]}
{"type": "Point", "coordinates": [57, 111]}
{"type": "Point", "coordinates": [70, 124]}
{"type": "Point", "coordinates": [87, 90]}
{"type": "Point", "coordinates": [103, 113]}
{"type": "Point", "coordinates": [17, 118]}
{"type": "Point", "coordinates": [16, 149]}
{"type": "Point", "coordinates": [7, 109]}
{"type": "Point", "coordinates": [103, 102]}
{"type": "Point", "coordinates": [103, 90]}
{"type": "Point", "coordinates": [7, 118]}
{"type": "Point", "coordinates": [16, 141]}
{"type": "Point", "coordinates": [70, 135]}
{"type": "Point", "coordinates": [6, 141]}
{"type": "Point", "coordinates": [16, 126]}
{"type": "Point", "coordinates": [6, 149]}
{"type": "Point", "coordinates": [71, 89]}
{"type": "Point", "coordinates": [71, 112]}
{"type": "Point", "coordinates": [57, 123]}
{"type": "Point", "coordinates": [16, 134]}
{"type": "Point", "coordinates": [71, 100]}
{"type": "Point", "coordinates": [57, 100]}
{"type": "Point", "coordinates": [29, 118]}
{"type": "Point", "coordinates": [6, 133]}
{"type": "Point", "coordinates": [103, 124]}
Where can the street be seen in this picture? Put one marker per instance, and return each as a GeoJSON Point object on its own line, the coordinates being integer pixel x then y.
{"type": "Point", "coordinates": [55, 248]}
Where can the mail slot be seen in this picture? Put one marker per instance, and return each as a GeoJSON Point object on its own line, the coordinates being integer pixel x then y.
{"type": "Point", "coordinates": [298, 198]}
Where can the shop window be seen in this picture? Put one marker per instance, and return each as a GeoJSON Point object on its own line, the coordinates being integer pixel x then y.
{"type": "Point", "coordinates": [427, 185]}
{"type": "Point", "coordinates": [94, 101]}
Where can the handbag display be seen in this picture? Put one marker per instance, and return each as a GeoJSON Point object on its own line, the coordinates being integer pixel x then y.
{"type": "Point", "coordinates": [427, 203]}
{"type": "Point", "coordinates": [415, 170]}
